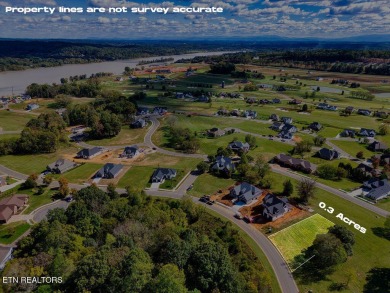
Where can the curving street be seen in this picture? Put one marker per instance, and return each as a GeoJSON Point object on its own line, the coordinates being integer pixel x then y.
{"type": "Point", "coordinates": [280, 268]}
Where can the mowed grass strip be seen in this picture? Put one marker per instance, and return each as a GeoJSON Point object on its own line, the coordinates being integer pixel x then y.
{"type": "Point", "coordinates": [292, 240]}
{"type": "Point", "coordinates": [82, 173]}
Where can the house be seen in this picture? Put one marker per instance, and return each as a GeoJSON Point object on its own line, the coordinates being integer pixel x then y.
{"type": "Point", "coordinates": [295, 102]}
{"type": "Point", "coordinates": [277, 126]}
{"type": "Point", "coordinates": [349, 109]}
{"type": "Point", "coordinates": [287, 120]}
{"type": "Point", "coordinates": [289, 128]}
{"type": "Point", "coordinates": [238, 146]}
{"type": "Point", "coordinates": [294, 163]}
{"type": "Point", "coordinates": [161, 174]}
{"type": "Point", "coordinates": [376, 188]}
{"type": "Point", "coordinates": [274, 117]}
{"type": "Point", "coordinates": [250, 100]}
{"type": "Point", "coordinates": [367, 132]}
{"type": "Point", "coordinates": [377, 146]}
{"type": "Point", "coordinates": [142, 111]}
{"type": "Point", "coordinates": [364, 112]}
{"type": "Point", "coordinates": [274, 207]}
{"type": "Point", "coordinates": [285, 135]}
{"type": "Point", "coordinates": [203, 99]}
{"type": "Point", "coordinates": [10, 206]}
{"type": "Point", "coordinates": [130, 152]}
{"type": "Point", "coordinates": [249, 114]}
{"type": "Point", "coordinates": [109, 171]}
{"type": "Point", "coordinates": [367, 171]}
{"type": "Point", "coordinates": [60, 166]}
{"type": "Point", "coordinates": [381, 114]}
{"type": "Point", "coordinates": [328, 154]}
{"type": "Point", "coordinates": [215, 132]}
{"type": "Point", "coordinates": [223, 164]}
{"type": "Point", "coordinates": [348, 133]}
{"type": "Point", "coordinates": [315, 126]}
{"type": "Point", "coordinates": [89, 153]}
{"type": "Point", "coordinates": [235, 112]}
{"type": "Point", "coordinates": [139, 123]}
{"type": "Point", "coordinates": [245, 192]}
{"type": "Point", "coordinates": [276, 101]}
{"type": "Point", "coordinates": [32, 106]}
{"type": "Point", "coordinates": [5, 255]}
{"type": "Point", "coordinates": [160, 110]}
{"type": "Point", "coordinates": [325, 106]}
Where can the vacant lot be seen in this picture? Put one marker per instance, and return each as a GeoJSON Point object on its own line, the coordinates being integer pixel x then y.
{"type": "Point", "coordinates": [292, 240]}
{"type": "Point", "coordinates": [82, 173]}
{"type": "Point", "coordinates": [11, 121]}
{"type": "Point", "coordinates": [126, 136]}
{"type": "Point", "coordinates": [209, 184]}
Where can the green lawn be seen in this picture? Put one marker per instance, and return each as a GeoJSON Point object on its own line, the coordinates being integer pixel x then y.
{"type": "Point", "coordinates": [136, 177]}
{"type": "Point", "coordinates": [208, 184]}
{"type": "Point", "coordinates": [384, 204]}
{"type": "Point", "coordinates": [171, 184]}
{"type": "Point", "coordinates": [11, 121]}
{"type": "Point", "coordinates": [292, 240]}
{"type": "Point", "coordinates": [37, 200]}
{"type": "Point", "coordinates": [82, 173]}
{"type": "Point", "coordinates": [368, 250]}
{"type": "Point", "coordinates": [9, 233]}
{"type": "Point", "coordinates": [353, 148]}
{"type": "Point", "coordinates": [126, 136]}
{"type": "Point", "coordinates": [36, 163]}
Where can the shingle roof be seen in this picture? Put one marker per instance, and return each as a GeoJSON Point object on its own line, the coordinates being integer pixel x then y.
{"type": "Point", "coordinates": [246, 191]}
{"type": "Point", "coordinates": [162, 173]}
{"type": "Point", "coordinates": [273, 205]}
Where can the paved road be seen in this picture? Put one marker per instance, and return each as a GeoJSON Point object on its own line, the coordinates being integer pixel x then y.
{"type": "Point", "coordinates": [341, 151]}
{"type": "Point", "coordinates": [13, 173]}
{"type": "Point", "coordinates": [148, 141]}
{"type": "Point", "coordinates": [334, 191]}
{"type": "Point", "coordinates": [40, 213]}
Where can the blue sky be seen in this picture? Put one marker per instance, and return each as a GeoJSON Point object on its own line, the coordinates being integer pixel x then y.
{"type": "Point", "coordinates": [241, 18]}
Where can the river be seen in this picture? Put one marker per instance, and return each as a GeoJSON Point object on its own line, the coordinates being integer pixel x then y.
{"type": "Point", "coordinates": [17, 81]}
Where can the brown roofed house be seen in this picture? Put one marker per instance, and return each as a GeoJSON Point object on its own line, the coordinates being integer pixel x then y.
{"type": "Point", "coordinates": [9, 206]}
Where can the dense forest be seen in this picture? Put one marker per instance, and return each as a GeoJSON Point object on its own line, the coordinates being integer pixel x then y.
{"type": "Point", "coordinates": [106, 242]}
{"type": "Point", "coordinates": [369, 58]}
{"type": "Point", "coordinates": [375, 62]}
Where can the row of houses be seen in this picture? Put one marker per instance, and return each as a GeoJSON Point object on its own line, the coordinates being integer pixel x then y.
{"type": "Point", "coordinates": [272, 207]}
{"type": "Point", "coordinates": [363, 132]}
{"type": "Point", "coordinates": [156, 110]}
{"type": "Point", "coordinates": [238, 113]}
{"type": "Point", "coordinates": [283, 126]}
{"type": "Point", "coordinates": [252, 100]}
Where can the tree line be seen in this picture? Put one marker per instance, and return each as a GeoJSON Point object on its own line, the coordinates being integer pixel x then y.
{"type": "Point", "coordinates": [110, 242]}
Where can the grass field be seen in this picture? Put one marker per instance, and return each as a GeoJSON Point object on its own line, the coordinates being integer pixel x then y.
{"type": "Point", "coordinates": [292, 240]}
{"type": "Point", "coordinates": [9, 233]}
{"type": "Point", "coordinates": [353, 148]}
{"type": "Point", "coordinates": [11, 121]}
{"type": "Point", "coordinates": [36, 200]}
{"type": "Point", "coordinates": [208, 184]}
{"type": "Point", "coordinates": [126, 136]}
{"type": "Point", "coordinates": [81, 173]}
{"type": "Point", "coordinates": [367, 251]}
{"type": "Point", "coordinates": [37, 163]}
{"type": "Point", "coordinates": [137, 177]}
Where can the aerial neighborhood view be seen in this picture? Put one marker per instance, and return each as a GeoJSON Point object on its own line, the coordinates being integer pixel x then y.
{"type": "Point", "coordinates": [245, 149]}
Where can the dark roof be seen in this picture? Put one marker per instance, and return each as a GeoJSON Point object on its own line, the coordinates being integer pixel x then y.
{"type": "Point", "coordinates": [239, 145]}
{"type": "Point", "coordinates": [89, 152]}
{"type": "Point", "coordinates": [109, 169]}
{"type": "Point", "coordinates": [378, 188]}
{"type": "Point", "coordinates": [377, 146]}
{"type": "Point", "coordinates": [273, 205]}
{"type": "Point", "coordinates": [222, 163]}
{"type": "Point", "coordinates": [295, 163]}
{"type": "Point", "coordinates": [328, 154]}
{"type": "Point", "coordinates": [246, 191]}
{"type": "Point", "coordinates": [162, 173]}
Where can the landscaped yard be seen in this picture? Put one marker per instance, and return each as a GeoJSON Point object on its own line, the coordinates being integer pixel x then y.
{"type": "Point", "coordinates": [10, 232]}
{"type": "Point", "coordinates": [82, 173]}
{"type": "Point", "coordinates": [299, 236]}
{"type": "Point", "coordinates": [36, 200]}
{"type": "Point", "coordinates": [353, 148]}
